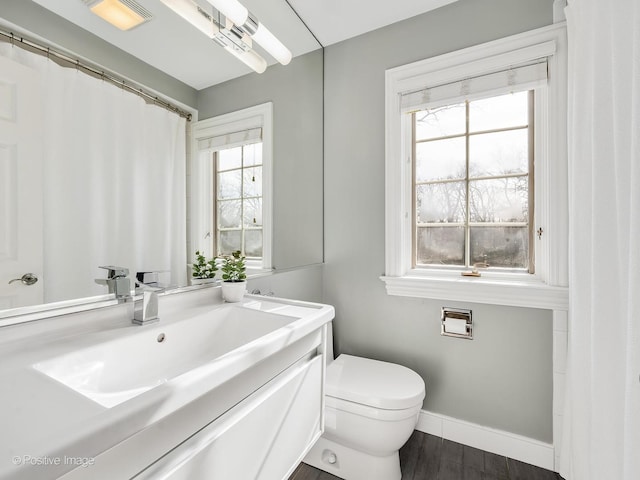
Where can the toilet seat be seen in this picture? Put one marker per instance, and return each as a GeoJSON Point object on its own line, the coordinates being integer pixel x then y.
{"type": "Point", "coordinates": [373, 388]}
{"type": "Point", "coordinates": [371, 412]}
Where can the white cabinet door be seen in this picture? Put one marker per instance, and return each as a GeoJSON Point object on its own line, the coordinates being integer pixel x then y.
{"type": "Point", "coordinates": [20, 184]}
{"type": "Point", "coordinates": [262, 438]}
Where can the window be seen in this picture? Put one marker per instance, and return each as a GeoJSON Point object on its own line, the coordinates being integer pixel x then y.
{"type": "Point", "coordinates": [239, 200]}
{"type": "Point", "coordinates": [476, 174]}
{"type": "Point", "coordinates": [231, 185]}
{"type": "Point", "coordinates": [472, 195]}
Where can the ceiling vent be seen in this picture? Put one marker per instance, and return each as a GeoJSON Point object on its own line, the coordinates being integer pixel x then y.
{"type": "Point", "coordinates": [123, 14]}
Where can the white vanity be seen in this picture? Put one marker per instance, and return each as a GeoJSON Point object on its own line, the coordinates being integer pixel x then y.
{"type": "Point", "coordinates": [212, 391]}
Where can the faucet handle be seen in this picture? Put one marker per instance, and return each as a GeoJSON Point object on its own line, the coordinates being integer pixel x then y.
{"type": "Point", "coordinates": [116, 272]}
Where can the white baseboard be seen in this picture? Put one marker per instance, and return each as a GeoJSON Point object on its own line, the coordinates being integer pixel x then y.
{"type": "Point", "coordinates": [491, 440]}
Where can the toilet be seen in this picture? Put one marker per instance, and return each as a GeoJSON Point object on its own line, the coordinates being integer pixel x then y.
{"type": "Point", "coordinates": [371, 409]}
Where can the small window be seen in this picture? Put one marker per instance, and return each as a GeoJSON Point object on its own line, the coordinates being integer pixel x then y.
{"type": "Point", "coordinates": [472, 183]}
{"type": "Point", "coordinates": [238, 200]}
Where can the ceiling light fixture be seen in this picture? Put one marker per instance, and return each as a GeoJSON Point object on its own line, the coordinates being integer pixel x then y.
{"type": "Point", "coordinates": [238, 45]}
{"type": "Point", "coordinates": [228, 36]}
{"type": "Point", "coordinates": [123, 14]}
{"type": "Point", "coordinates": [248, 23]}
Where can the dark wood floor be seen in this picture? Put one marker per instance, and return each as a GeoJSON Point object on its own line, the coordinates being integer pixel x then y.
{"type": "Point", "coordinates": [425, 457]}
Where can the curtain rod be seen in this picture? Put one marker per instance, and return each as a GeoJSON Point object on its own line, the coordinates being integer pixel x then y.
{"type": "Point", "coordinates": [19, 40]}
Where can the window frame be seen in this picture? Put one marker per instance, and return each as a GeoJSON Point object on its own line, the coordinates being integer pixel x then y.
{"type": "Point", "coordinates": [202, 185]}
{"type": "Point", "coordinates": [547, 287]}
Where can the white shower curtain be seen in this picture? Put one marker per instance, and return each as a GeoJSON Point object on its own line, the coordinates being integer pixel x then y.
{"type": "Point", "coordinates": [602, 404]}
{"type": "Point", "coordinates": [114, 182]}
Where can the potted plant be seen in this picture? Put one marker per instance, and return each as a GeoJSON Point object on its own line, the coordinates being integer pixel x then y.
{"type": "Point", "coordinates": [203, 270]}
{"type": "Point", "coordinates": [234, 278]}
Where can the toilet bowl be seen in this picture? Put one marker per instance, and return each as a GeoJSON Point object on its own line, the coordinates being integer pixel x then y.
{"type": "Point", "coordinates": [371, 409]}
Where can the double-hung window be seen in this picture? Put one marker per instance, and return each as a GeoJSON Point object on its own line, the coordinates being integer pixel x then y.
{"type": "Point", "coordinates": [475, 161]}
{"type": "Point", "coordinates": [231, 185]}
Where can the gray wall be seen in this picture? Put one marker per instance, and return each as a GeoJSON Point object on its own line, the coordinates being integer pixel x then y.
{"type": "Point", "coordinates": [296, 93]}
{"type": "Point", "coordinates": [502, 378]}
{"type": "Point", "coordinates": [304, 283]}
{"type": "Point", "coordinates": [40, 21]}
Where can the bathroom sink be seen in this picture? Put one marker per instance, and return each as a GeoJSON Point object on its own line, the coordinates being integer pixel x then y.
{"type": "Point", "coordinates": [115, 370]}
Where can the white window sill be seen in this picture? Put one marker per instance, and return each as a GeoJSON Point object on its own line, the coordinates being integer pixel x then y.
{"type": "Point", "coordinates": [510, 290]}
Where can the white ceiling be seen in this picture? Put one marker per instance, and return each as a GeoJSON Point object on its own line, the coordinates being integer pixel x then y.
{"type": "Point", "coordinates": [332, 21]}
{"type": "Point", "coordinates": [170, 44]}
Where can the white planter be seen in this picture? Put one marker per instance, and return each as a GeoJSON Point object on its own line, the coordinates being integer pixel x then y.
{"type": "Point", "coordinates": [233, 291]}
{"type": "Point", "coordinates": [202, 281]}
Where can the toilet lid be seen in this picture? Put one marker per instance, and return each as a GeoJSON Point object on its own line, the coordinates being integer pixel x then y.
{"type": "Point", "coordinates": [374, 383]}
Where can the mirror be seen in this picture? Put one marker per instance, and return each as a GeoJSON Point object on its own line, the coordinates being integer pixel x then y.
{"type": "Point", "coordinates": [296, 93]}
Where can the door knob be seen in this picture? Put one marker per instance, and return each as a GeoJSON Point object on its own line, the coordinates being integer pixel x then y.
{"type": "Point", "coordinates": [27, 279]}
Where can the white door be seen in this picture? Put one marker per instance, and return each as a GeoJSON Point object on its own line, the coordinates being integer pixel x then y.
{"type": "Point", "coordinates": [20, 185]}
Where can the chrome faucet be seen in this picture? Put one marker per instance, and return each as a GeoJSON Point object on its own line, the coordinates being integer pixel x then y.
{"type": "Point", "coordinates": [117, 281]}
{"type": "Point", "coordinates": [145, 310]}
